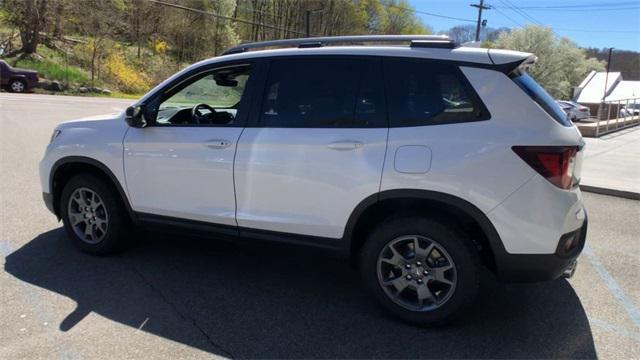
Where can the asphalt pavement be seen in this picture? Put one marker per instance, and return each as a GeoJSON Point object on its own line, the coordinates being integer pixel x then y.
{"type": "Point", "coordinates": [178, 297]}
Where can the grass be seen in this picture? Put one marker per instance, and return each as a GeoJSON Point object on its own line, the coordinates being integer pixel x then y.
{"type": "Point", "coordinates": [54, 71]}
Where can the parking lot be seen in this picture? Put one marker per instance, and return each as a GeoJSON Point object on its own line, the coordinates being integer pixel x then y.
{"type": "Point", "coordinates": [174, 297]}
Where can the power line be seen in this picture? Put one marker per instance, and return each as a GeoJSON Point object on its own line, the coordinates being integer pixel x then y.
{"type": "Point", "coordinates": [430, 14]}
{"type": "Point", "coordinates": [231, 18]}
{"type": "Point", "coordinates": [596, 5]}
{"type": "Point", "coordinates": [520, 12]}
{"type": "Point", "coordinates": [506, 16]}
{"type": "Point", "coordinates": [582, 9]}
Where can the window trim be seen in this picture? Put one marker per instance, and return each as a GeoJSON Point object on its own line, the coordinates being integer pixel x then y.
{"type": "Point", "coordinates": [175, 86]}
{"type": "Point", "coordinates": [485, 114]}
{"type": "Point", "coordinates": [255, 120]}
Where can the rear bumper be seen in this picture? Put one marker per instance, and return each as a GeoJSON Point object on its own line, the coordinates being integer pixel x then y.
{"type": "Point", "coordinates": [542, 267]}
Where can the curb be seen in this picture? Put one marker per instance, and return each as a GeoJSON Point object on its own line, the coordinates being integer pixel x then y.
{"type": "Point", "coordinates": [611, 192]}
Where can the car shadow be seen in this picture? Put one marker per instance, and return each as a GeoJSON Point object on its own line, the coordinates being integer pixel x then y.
{"type": "Point", "coordinates": [280, 302]}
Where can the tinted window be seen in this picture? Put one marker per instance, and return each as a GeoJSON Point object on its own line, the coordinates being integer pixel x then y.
{"type": "Point", "coordinates": [540, 96]}
{"type": "Point", "coordinates": [323, 93]}
{"type": "Point", "coordinates": [425, 93]}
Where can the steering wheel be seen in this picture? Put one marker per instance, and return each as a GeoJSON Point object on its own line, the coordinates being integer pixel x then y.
{"type": "Point", "coordinates": [197, 116]}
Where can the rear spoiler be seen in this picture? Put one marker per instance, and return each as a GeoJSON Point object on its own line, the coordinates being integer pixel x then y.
{"type": "Point", "coordinates": [513, 68]}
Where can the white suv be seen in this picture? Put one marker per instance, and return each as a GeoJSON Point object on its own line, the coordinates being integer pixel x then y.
{"type": "Point", "coordinates": [422, 163]}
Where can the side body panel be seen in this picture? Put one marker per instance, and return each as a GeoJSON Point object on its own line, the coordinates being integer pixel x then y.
{"type": "Point", "coordinates": [474, 161]}
{"type": "Point", "coordinates": [292, 180]}
{"type": "Point", "coordinates": [181, 172]}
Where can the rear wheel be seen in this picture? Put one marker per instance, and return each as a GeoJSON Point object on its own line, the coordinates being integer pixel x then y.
{"type": "Point", "coordinates": [93, 215]}
{"type": "Point", "coordinates": [17, 86]}
{"type": "Point", "coordinates": [421, 270]}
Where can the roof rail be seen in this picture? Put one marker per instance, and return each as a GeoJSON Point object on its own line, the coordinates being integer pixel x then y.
{"type": "Point", "coordinates": [438, 41]}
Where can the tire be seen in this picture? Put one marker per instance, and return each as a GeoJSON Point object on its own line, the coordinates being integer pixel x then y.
{"type": "Point", "coordinates": [17, 86]}
{"type": "Point", "coordinates": [455, 253]}
{"type": "Point", "coordinates": [110, 223]}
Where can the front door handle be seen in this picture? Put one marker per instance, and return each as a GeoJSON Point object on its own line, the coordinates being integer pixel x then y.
{"type": "Point", "coordinates": [345, 145]}
{"type": "Point", "coordinates": [218, 144]}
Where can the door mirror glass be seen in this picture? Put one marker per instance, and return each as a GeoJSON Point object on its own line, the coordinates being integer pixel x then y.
{"type": "Point", "coordinates": [134, 116]}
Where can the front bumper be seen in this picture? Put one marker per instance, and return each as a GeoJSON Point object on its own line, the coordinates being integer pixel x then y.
{"type": "Point", "coordinates": [542, 267]}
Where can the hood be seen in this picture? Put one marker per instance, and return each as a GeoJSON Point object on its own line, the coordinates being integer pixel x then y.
{"type": "Point", "coordinates": [96, 122]}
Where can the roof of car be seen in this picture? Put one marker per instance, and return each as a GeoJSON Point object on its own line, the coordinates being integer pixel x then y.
{"type": "Point", "coordinates": [462, 54]}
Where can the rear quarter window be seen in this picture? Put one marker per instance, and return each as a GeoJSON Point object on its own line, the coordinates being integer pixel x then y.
{"type": "Point", "coordinates": [429, 93]}
{"type": "Point", "coordinates": [542, 98]}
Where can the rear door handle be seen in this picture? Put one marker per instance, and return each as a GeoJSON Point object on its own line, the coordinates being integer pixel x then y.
{"type": "Point", "coordinates": [345, 145]}
{"type": "Point", "coordinates": [218, 144]}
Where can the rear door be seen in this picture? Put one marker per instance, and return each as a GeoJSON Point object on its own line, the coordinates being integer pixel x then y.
{"type": "Point", "coordinates": [315, 147]}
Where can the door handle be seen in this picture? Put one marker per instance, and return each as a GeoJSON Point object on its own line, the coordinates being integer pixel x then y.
{"type": "Point", "coordinates": [218, 144]}
{"type": "Point", "coordinates": [345, 145]}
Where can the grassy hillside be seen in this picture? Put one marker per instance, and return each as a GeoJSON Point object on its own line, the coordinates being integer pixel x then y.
{"type": "Point", "coordinates": [115, 67]}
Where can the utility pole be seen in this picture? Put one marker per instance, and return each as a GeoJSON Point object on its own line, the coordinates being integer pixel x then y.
{"type": "Point", "coordinates": [606, 77]}
{"type": "Point", "coordinates": [308, 20]}
{"type": "Point", "coordinates": [480, 8]}
{"type": "Point", "coordinates": [601, 108]}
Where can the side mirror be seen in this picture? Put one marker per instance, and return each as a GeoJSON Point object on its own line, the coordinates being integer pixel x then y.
{"type": "Point", "coordinates": [134, 116]}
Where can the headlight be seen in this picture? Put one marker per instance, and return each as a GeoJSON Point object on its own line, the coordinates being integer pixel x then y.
{"type": "Point", "coordinates": [54, 135]}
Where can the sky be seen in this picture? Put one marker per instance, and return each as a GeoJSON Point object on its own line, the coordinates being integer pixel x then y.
{"type": "Point", "coordinates": [590, 23]}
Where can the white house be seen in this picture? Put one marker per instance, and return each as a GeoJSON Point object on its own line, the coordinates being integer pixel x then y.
{"type": "Point", "coordinates": [592, 90]}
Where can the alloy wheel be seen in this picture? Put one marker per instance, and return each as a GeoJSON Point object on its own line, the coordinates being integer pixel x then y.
{"type": "Point", "coordinates": [416, 273]}
{"type": "Point", "coordinates": [88, 215]}
{"type": "Point", "coordinates": [17, 86]}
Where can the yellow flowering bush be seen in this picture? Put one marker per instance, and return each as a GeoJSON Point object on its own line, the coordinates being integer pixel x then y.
{"type": "Point", "coordinates": [126, 77]}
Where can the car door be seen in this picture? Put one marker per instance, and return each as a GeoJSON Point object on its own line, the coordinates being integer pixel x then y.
{"type": "Point", "coordinates": [181, 165]}
{"type": "Point", "coordinates": [315, 147]}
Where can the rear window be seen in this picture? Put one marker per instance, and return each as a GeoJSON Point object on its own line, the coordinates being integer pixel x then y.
{"type": "Point", "coordinates": [540, 96]}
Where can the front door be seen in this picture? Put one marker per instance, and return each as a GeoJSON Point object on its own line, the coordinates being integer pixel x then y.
{"type": "Point", "coordinates": [316, 147]}
{"type": "Point", "coordinates": [181, 165]}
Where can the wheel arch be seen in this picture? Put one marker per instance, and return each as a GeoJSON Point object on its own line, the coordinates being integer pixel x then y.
{"type": "Point", "coordinates": [66, 167]}
{"type": "Point", "coordinates": [449, 208]}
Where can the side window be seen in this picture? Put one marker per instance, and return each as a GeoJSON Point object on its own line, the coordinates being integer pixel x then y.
{"type": "Point", "coordinates": [208, 99]}
{"type": "Point", "coordinates": [303, 93]}
{"type": "Point", "coordinates": [424, 93]}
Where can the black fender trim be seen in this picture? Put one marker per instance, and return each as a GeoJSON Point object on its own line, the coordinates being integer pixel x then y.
{"type": "Point", "coordinates": [102, 167]}
{"type": "Point", "coordinates": [485, 224]}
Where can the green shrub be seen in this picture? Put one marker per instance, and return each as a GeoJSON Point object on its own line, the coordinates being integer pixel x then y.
{"type": "Point", "coordinates": [54, 71]}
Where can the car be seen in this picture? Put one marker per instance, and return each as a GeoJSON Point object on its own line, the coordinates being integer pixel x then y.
{"type": "Point", "coordinates": [630, 110]}
{"type": "Point", "coordinates": [575, 111]}
{"type": "Point", "coordinates": [17, 80]}
{"type": "Point", "coordinates": [351, 150]}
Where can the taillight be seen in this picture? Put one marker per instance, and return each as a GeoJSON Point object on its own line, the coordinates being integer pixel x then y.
{"type": "Point", "coordinates": [555, 163]}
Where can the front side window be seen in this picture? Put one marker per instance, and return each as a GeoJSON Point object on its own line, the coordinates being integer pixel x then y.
{"type": "Point", "coordinates": [322, 93]}
{"type": "Point", "coordinates": [211, 98]}
{"type": "Point", "coordinates": [425, 93]}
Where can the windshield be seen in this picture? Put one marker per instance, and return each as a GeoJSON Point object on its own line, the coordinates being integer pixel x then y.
{"type": "Point", "coordinates": [540, 96]}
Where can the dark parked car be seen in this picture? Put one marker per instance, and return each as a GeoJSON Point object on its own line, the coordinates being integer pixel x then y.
{"type": "Point", "coordinates": [17, 80]}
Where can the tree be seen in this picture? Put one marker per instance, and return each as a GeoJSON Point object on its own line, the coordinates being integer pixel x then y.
{"type": "Point", "coordinates": [29, 16]}
{"type": "Point", "coordinates": [402, 19]}
{"type": "Point", "coordinates": [625, 61]}
{"type": "Point", "coordinates": [561, 63]}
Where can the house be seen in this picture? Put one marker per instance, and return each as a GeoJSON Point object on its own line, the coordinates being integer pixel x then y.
{"type": "Point", "coordinates": [591, 92]}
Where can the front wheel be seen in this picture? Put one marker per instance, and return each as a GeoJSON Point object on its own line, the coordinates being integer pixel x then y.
{"type": "Point", "coordinates": [93, 215]}
{"type": "Point", "coordinates": [421, 270]}
{"type": "Point", "coordinates": [17, 86]}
